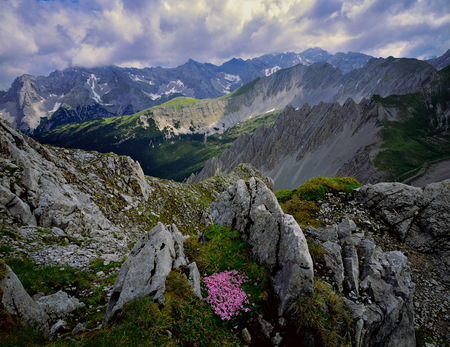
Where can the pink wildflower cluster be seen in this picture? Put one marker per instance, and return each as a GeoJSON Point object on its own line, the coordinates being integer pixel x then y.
{"type": "Point", "coordinates": [225, 294]}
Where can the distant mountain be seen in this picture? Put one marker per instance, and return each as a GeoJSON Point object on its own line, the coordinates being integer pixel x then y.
{"type": "Point", "coordinates": [400, 137]}
{"type": "Point", "coordinates": [169, 139]}
{"type": "Point", "coordinates": [34, 104]}
{"type": "Point", "coordinates": [440, 62]}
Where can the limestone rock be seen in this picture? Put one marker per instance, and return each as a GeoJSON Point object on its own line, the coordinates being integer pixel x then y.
{"type": "Point", "coordinates": [17, 301]}
{"type": "Point", "coordinates": [55, 327]}
{"type": "Point", "coordinates": [419, 217]}
{"type": "Point", "coordinates": [58, 305]}
{"type": "Point", "coordinates": [276, 239]}
{"type": "Point", "coordinates": [194, 279]}
{"type": "Point", "coordinates": [377, 289]}
{"type": "Point", "coordinates": [145, 271]}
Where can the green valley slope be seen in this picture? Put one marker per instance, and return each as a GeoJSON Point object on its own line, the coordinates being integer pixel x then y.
{"type": "Point", "coordinates": [161, 153]}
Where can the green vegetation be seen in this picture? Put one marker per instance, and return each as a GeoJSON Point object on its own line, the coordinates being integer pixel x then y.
{"type": "Point", "coordinates": [323, 314]}
{"type": "Point", "coordinates": [3, 270]}
{"type": "Point", "coordinates": [316, 188]}
{"type": "Point", "coordinates": [183, 320]}
{"type": "Point", "coordinates": [175, 158]}
{"type": "Point", "coordinates": [415, 140]}
{"type": "Point", "coordinates": [224, 250]}
{"type": "Point", "coordinates": [301, 202]}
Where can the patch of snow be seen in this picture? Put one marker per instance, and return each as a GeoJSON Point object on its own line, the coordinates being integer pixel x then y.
{"type": "Point", "coordinates": [137, 78]}
{"type": "Point", "coordinates": [232, 78]}
{"type": "Point", "coordinates": [175, 87]}
{"type": "Point", "coordinates": [92, 81]}
{"type": "Point", "coordinates": [271, 70]}
{"type": "Point", "coordinates": [153, 96]}
{"type": "Point", "coordinates": [270, 110]}
{"type": "Point", "coordinates": [55, 108]}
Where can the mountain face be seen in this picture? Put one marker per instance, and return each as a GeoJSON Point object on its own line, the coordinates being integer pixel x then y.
{"type": "Point", "coordinates": [440, 62]}
{"type": "Point", "coordinates": [146, 135]}
{"type": "Point", "coordinates": [392, 138]}
{"type": "Point", "coordinates": [34, 104]}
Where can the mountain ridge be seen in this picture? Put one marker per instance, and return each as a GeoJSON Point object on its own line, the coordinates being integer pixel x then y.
{"type": "Point", "coordinates": [378, 139]}
{"type": "Point", "coordinates": [84, 93]}
{"type": "Point", "coordinates": [293, 86]}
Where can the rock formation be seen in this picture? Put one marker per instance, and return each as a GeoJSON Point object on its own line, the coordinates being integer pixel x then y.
{"type": "Point", "coordinates": [276, 239]}
{"type": "Point", "coordinates": [419, 217]}
{"type": "Point", "coordinates": [42, 314]}
{"type": "Point", "coordinates": [376, 285]}
{"type": "Point", "coordinates": [145, 271]}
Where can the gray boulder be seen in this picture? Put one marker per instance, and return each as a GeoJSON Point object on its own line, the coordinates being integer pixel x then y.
{"type": "Point", "coordinates": [194, 279]}
{"type": "Point", "coordinates": [276, 239]}
{"type": "Point", "coordinates": [145, 271]}
{"type": "Point", "coordinates": [17, 301]}
{"type": "Point", "coordinates": [419, 217]}
{"type": "Point", "coordinates": [58, 305]}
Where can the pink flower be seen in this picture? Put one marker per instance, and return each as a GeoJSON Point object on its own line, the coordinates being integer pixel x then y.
{"type": "Point", "coordinates": [225, 294]}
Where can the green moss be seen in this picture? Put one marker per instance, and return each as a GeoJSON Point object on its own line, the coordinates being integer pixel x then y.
{"type": "Point", "coordinates": [324, 314]}
{"type": "Point", "coordinates": [301, 202]}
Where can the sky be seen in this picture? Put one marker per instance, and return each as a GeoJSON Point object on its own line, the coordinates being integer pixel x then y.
{"type": "Point", "coordinates": [38, 37]}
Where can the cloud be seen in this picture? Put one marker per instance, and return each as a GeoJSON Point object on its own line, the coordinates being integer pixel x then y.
{"type": "Point", "coordinates": [38, 37]}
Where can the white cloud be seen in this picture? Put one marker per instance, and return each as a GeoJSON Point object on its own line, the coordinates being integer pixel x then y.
{"type": "Point", "coordinates": [40, 36]}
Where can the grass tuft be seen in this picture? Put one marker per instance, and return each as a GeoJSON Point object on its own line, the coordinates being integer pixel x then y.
{"type": "Point", "coordinates": [324, 314]}
{"type": "Point", "coordinates": [301, 202]}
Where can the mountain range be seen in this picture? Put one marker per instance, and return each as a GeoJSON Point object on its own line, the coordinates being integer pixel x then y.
{"type": "Point", "coordinates": [174, 139]}
{"type": "Point", "coordinates": [75, 94]}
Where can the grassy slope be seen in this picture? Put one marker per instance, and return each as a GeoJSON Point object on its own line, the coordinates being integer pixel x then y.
{"type": "Point", "coordinates": [175, 158]}
{"type": "Point", "coordinates": [413, 141]}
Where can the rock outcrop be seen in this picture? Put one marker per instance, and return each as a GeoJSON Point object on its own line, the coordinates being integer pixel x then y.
{"type": "Point", "coordinates": [17, 301]}
{"type": "Point", "coordinates": [419, 217]}
{"type": "Point", "coordinates": [42, 314]}
{"type": "Point", "coordinates": [58, 305]}
{"type": "Point", "coordinates": [145, 271]}
{"type": "Point", "coordinates": [376, 285]}
{"type": "Point", "coordinates": [276, 239]}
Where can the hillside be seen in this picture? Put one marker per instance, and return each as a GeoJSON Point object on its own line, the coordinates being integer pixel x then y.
{"type": "Point", "coordinates": [399, 137]}
{"type": "Point", "coordinates": [36, 103]}
{"type": "Point", "coordinates": [181, 124]}
{"type": "Point", "coordinates": [96, 253]}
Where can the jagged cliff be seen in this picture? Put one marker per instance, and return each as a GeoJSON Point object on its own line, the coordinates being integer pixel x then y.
{"type": "Point", "coordinates": [392, 138]}
{"type": "Point", "coordinates": [69, 207]}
